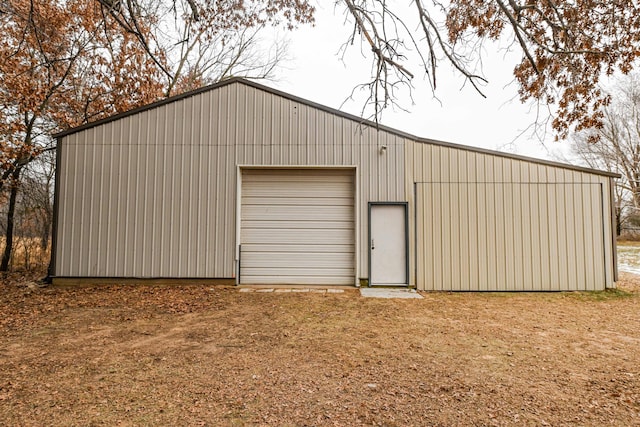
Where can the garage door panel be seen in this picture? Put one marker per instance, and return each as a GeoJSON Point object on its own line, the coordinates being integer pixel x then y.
{"type": "Point", "coordinates": [284, 278]}
{"type": "Point", "coordinates": [296, 236]}
{"type": "Point", "coordinates": [293, 248]}
{"type": "Point", "coordinates": [308, 189]}
{"type": "Point", "coordinates": [318, 183]}
{"type": "Point", "coordinates": [295, 201]}
{"type": "Point", "coordinates": [297, 213]}
{"type": "Point", "coordinates": [297, 260]}
{"type": "Point", "coordinates": [297, 227]}
{"type": "Point", "coordinates": [295, 271]}
{"type": "Point", "coordinates": [251, 224]}
{"type": "Point", "coordinates": [293, 175]}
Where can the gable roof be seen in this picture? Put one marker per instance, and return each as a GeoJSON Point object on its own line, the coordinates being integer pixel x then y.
{"type": "Point", "coordinates": [329, 110]}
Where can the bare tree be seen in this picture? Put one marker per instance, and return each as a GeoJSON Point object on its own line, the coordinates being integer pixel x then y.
{"type": "Point", "coordinates": [616, 145]}
{"type": "Point", "coordinates": [195, 42]}
{"type": "Point", "coordinates": [195, 62]}
{"type": "Point", "coordinates": [31, 214]}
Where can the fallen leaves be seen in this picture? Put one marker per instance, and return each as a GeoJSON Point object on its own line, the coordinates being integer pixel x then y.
{"type": "Point", "coordinates": [198, 355]}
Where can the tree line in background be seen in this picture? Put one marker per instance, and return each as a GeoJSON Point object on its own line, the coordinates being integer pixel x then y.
{"type": "Point", "coordinates": [69, 62]}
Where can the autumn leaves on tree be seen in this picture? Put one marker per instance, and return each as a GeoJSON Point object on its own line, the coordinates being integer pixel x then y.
{"type": "Point", "coordinates": [566, 47]}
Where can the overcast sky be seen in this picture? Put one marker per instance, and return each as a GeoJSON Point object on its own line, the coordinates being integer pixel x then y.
{"type": "Point", "coordinates": [318, 74]}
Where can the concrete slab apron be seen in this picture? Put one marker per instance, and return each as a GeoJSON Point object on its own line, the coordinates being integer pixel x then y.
{"type": "Point", "coordinates": [292, 290]}
{"type": "Point", "coordinates": [389, 293]}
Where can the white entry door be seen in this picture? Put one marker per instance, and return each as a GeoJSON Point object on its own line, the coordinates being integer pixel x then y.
{"type": "Point", "coordinates": [388, 245]}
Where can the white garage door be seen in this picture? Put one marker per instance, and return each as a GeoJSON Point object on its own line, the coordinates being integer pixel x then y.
{"type": "Point", "coordinates": [297, 227]}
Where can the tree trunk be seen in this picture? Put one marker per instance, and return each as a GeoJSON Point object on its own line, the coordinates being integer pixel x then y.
{"type": "Point", "coordinates": [8, 248]}
{"type": "Point", "coordinates": [635, 194]}
{"type": "Point", "coordinates": [47, 220]}
{"type": "Point", "coordinates": [618, 222]}
{"type": "Point", "coordinates": [44, 236]}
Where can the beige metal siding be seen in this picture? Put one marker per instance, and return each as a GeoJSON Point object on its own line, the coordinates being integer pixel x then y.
{"type": "Point", "coordinates": [485, 222]}
{"type": "Point", "coordinates": [297, 227]}
{"type": "Point", "coordinates": [154, 194]}
{"type": "Point", "coordinates": [140, 210]}
{"type": "Point", "coordinates": [486, 241]}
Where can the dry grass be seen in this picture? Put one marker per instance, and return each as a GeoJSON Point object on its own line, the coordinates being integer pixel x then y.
{"type": "Point", "coordinates": [628, 243]}
{"type": "Point", "coordinates": [27, 254]}
{"type": "Point", "coordinates": [196, 355]}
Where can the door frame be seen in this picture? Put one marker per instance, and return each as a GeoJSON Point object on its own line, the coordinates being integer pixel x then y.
{"type": "Point", "coordinates": [405, 205]}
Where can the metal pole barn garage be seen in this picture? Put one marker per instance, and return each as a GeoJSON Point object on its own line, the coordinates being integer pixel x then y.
{"type": "Point", "coordinates": [240, 183]}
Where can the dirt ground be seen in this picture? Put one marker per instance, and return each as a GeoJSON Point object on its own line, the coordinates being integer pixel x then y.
{"type": "Point", "coordinates": [213, 356]}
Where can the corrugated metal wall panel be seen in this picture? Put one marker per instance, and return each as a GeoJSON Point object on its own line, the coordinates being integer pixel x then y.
{"type": "Point", "coordinates": [154, 194]}
{"type": "Point", "coordinates": [552, 223]}
{"type": "Point", "coordinates": [561, 256]}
